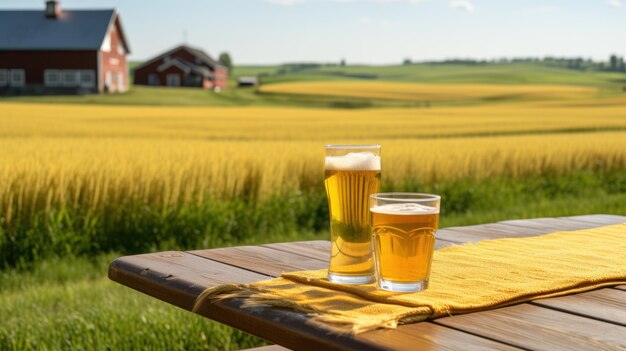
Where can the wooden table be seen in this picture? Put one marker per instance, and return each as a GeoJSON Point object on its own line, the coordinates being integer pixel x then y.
{"type": "Point", "coordinates": [594, 320]}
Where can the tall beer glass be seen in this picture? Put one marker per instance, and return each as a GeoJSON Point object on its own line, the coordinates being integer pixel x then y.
{"type": "Point", "coordinates": [352, 174]}
{"type": "Point", "coordinates": [403, 234]}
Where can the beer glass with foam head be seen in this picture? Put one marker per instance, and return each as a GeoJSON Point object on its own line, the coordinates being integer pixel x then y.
{"type": "Point", "coordinates": [403, 235]}
{"type": "Point", "coordinates": [352, 174]}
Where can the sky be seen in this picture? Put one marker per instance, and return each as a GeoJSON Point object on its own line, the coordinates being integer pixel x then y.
{"type": "Point", "coordinates": [368, 31]}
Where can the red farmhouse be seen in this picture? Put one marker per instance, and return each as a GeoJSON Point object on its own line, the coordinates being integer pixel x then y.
{"type": "Point", "coordinates": [183, 66]}
{"type": "Point", "coordinates": [62, 51]}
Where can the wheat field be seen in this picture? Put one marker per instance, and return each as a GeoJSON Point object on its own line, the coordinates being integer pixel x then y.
{"type": "Point", "coordinates": [429, 92]}
{"type": "Point", "coordinates": [303, 124]}
{"type": "Point", "coordinates": [95, 157]}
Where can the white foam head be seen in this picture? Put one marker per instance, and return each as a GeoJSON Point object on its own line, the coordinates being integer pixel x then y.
{"type": "Point", "coordinates": [405, 209]}
{"type": "Point", "coordinates": [354, 161]}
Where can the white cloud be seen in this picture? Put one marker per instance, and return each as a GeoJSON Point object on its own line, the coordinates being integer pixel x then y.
{"type": "Point", "coordinates": [464, 5]}
{"type": "Point", "coordinates": [615, 3]}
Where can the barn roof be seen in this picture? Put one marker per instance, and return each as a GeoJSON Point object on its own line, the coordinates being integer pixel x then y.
{"type": "Point", "coordinates": [72, 30]}
{"type": "Point", "coordinates": [199, 53]}
{"type": "Point", "coordinates": [187, 67]}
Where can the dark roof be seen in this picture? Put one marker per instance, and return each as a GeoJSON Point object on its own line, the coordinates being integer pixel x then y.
{"type": "Point", "coordinates": [199, 53]}
{"type": "Point", "coordinates": [188, 66]}
{"type": "Point", "coordinates": [202, 55]}
{"type": "Point", "coordinates": [72, 30]}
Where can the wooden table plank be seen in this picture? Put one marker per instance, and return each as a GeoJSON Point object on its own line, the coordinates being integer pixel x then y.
{"type": "Point", "coordinates": [480, 232]}
{"type": "Point", "coordinates": [608, 305]}
{"type": "Point", "coordinates": [553, 224]}
{"type": "Point", "coordinates": [175, 277]}
{"type": "Point", "coordinates": [268, 348]}
{"type": "Point", "coordinates": [538, 328]}
{"type": "Point", "coordinates": [459, 236]}
{"type": "Point", "coordinates": [313, 249]}
{"type": "Point", "coordinates": [262, 259]}
{"type": "Point", "coordinates": [430, 336]}
{"type": "Point", "coordinates": [525, 227]}
{"type": "Point", "coordinates": [620, 287]}
{"type": "Point", "coordinates": [600, 220]}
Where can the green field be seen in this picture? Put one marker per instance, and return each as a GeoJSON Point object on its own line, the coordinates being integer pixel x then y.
{"type": "Point", "coordinates": [54, 293]}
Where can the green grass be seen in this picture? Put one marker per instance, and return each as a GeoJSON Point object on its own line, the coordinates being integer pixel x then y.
{"type": "Point", "coordinates": [69, 304]}
{"type": "Point", "coordinates": [504, 73]}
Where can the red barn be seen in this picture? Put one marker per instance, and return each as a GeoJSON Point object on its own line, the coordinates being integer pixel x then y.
{"type": "Point", "coordinates": [183, 66]}
{"type": "Point", "coordinates": [62, 51]}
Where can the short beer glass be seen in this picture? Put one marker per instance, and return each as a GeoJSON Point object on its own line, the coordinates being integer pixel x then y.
{"type": "Point", "coordinates": [403, 235]}
{"type": "Point", "coordinates": [352, 174]}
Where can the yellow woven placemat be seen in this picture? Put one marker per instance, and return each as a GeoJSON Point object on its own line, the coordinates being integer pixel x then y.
{"type": "Point", "coordinates": [464, 278]}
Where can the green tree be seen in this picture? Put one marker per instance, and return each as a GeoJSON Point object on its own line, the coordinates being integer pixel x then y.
{"type": "Point", "coordinates": [613, 63]}
{"type": "Point", "coordinates": [226, 61]}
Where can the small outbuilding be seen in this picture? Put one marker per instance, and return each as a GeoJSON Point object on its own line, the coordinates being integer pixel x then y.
{"type": "Point", "coordinates": [183, 66]}
{"type": "Point", "coordinates": [248, 81]}
{"type": "Point", "coordinates": [62, 51]}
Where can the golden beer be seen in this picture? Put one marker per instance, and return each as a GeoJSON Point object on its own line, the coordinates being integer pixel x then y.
{"type": "Point", "coordinates": [404, 242]}
{"type": "Point", "coordinates": [349, 181]}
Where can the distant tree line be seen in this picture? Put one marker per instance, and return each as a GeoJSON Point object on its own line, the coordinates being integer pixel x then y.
{"type": "Point", "coordinates": [614, 64]}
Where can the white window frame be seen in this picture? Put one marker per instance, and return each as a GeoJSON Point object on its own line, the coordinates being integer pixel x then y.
{"type": "Point", "coordinates": [175, 77]}
{"type": "Point", "coordinates": [120, 47]}
{"type": "Point", "coordinates": [48, 80]}
{"type": "Point", "coordinates": [87, 78]}
{"type": "Point", "coordinates": [70, 78]}
{"type": "Point", "coordinates": [20, 75]}
{"type": "Point", "coordinates": [4, 77]}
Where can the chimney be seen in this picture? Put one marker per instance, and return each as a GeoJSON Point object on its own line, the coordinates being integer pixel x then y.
{"type": "Point", "coordinates": [53, 9]}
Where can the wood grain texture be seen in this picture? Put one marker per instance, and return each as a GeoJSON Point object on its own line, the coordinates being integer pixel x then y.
{"type": "Point", "coordinates": [538, 328]}
{"type": "Point", "coordinates": [430, 336]}
{"type": "Point", "coordinates": [262, 259]}
{"type": "Point", "coordinates": [318, 249]}
{"type": "Point", "coordinates": [551, 224]}
{"type": "Point", "coordinates": [175, 277]}
{"type": "Point", "coordinates": [524, 227]}
{"type": "Point", "coordinates": [599, 219]}
{"type": "Point", "coordinates": [608, 305]}
{"type": "Point", "coordinates": [268, 348]}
